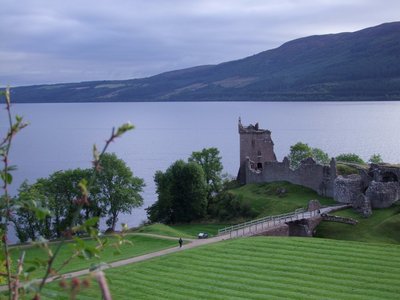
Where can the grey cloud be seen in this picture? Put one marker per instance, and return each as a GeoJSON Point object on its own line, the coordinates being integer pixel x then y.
{"type": "Point", "coordinates": [67, 41]}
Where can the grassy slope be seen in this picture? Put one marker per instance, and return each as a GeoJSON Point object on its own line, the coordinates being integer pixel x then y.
{"type": "Point", "coordinates": [264, 199]}
{"type": "Point", "coordinates": [383, 226]}
{"type": "Point", "coordinates": [141, 245]}
{"type": "Point", "coordinates": [182, 230]}
{"type": "Point", "coordinates": [262, 268]}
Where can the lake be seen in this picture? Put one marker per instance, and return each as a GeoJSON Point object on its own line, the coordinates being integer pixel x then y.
{"type": "Point", "coordinates": [60, 136]}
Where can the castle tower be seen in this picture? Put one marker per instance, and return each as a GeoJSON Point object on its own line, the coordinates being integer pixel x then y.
{"type": "Point", "coordinates": [255, 144]}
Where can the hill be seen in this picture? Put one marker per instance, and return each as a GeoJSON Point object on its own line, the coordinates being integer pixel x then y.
{"type": "Point", "coordinates": [362, 65]}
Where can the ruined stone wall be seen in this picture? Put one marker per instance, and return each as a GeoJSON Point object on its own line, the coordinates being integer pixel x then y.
{"type": "Point", "coordinates": [309, 174]}
{"type": "Point", "coordinates": [305, 227]}
{"type": "Point", "coordinates": [383, 194]}
{"type": "Point", "coordinates": [282, 230]}
{"type": "Point", "coordinates": [348, 189]}
{"type": "Point", "coordinates": [364, 192]}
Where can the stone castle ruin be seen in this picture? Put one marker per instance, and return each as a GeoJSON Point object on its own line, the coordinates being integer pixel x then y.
{"type": "Point", "coordinates": [374, 187]}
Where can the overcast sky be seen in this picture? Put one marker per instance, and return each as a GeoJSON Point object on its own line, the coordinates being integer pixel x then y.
{"type": "Point", "coordinates": [51, 41]}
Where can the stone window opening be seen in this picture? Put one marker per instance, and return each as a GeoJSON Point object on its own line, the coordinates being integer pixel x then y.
{"type": "Point", "coordinates": [389, 177]}
{"type": "Point", "coordinates": [259, 166]}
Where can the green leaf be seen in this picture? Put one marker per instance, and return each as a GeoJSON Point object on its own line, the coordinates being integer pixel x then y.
{"type": "Point", "coordinates": [12, 168]}
{"type": "Point", "coordinates": [6, 177]}
{"type": "Point", "coordinates": [41, 213]}
{"type": "Point", "coordinates": [91, 222]}
{"type": "Point", "coordinates": [124, 128]}
{"type": "Point", "coordinates": [30, 269]}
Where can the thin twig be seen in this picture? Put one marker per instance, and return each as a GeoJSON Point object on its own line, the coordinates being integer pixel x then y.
{"type": "Point", "coordinates": [101, 280]}
{"type": "Point", "coordinates": [96, 164]}
{"type": "Point", "coordinates": [20, 268]}
{"type": "Point", "coordinates": [6, 196]}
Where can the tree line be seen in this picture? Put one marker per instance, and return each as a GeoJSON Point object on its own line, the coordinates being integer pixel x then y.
{"type": "Point", "coordinates": [301, 151]}
{"type": "Point", "coordinates": [187, 191]}
{"type": "Point", "coordinates": [46, 208]}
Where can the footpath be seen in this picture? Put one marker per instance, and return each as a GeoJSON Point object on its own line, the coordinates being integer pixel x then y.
{"type": "Point", "coordinates": [192, 244]}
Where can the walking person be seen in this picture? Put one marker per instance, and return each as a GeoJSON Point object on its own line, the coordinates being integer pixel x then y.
{"type": "Point", "coordinates": [180, 242]}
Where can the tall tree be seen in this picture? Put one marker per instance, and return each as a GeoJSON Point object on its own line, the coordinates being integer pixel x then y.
{"type": "Point", "coordinates": [300, 151]}
{"type": "Point", "coordinates": [118, 189]}
{"type": "Point", "coordinates": [62, 190]}
{"type": "Point", "coordinates": [210, 161]}
{"type": "Point", "coordinates": [182, 193]}
{"type": "Point", "coordinates": [27, 221]}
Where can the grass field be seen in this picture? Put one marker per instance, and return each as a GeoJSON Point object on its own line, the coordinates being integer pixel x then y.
{"type": "Point", "coordinates": [261, 268]}
{"type": "Point", "coordinates": [382, 227]}
{"type": "Point", "coordinates": [265, 200]}
{"type": "Point", "coordinates": [140, 245]}
{"type": "Point", "coordinates": [182, 230]}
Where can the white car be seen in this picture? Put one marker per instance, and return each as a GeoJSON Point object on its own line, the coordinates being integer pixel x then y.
{"type": "Point", "coordinates": [202, 235]}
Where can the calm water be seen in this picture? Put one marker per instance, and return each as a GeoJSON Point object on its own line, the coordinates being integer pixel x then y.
{"type": "Point", "coordinates": [60, 136]}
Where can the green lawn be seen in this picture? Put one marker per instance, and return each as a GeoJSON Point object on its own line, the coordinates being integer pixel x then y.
{"type": "Point", "coordinates": [382, 227]}
{"type": "Point", "coordinates": [181, 230]}
{"type": "Point", "coordinates": [140, 245]}
{"type": "Point", "coordinates": [261, 268]}
{"type": "Point", "coordinates": [194, 229]}
{"type": "Point", "coordinates": [264, 199]}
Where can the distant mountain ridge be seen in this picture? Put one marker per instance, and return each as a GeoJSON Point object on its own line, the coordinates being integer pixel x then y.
{"type": "Point", "coordinates": [362, 65]}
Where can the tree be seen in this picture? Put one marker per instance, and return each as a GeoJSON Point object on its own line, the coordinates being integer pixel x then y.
{"type": "Point", "coordinates": [62, 191]}
{"type": "Point", "coordinates": [301, 151]}
{"type": "Point", "coordinates": [375, 159]}
{"type": "Point", "coordinates": [320, 156]}
{"type": "Point", "coordinates": [349, 158]}
{"type": "Point", "coordinates": [210, 162]}
{"type": "Point", "coordinates": [17, 277]}
{"type": "Point", "coordinates": [182, 193]}
{"type": "Point", "coordinates": [118, 190]}
{"type": "Point", "coordinates": [298, 152]}
{"type": "Point", "coordinates": [29, 221]}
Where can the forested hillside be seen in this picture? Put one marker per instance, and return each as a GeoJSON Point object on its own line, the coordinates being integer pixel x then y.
{"type": "Point", "coordinates": [363, 65]}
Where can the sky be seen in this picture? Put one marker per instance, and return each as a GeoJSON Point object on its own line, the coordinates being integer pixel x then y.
{"type": "Point", "coordinates": [53, 41]}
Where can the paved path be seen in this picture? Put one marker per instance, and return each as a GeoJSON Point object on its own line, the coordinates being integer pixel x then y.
{"type": "Point", "coordinates": [161, 236]}
{"type": "Point", "coordinates": [193, 243]}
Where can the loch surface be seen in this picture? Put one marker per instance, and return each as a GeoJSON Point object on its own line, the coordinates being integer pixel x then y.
{"type": "Point", "coordinates": [61, 136]}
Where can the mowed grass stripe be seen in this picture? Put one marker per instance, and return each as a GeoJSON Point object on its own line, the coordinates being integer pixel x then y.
{"type": "Point", "coordinates": [247, 269]}
{"type": "Point", "coordinates": [290, 288]}
{"type": "Point", "coordinates": [384, 260]}
{"type": "Point", "coordinates": [380, 253]}
{"type": "Point", "coordinates": [305, 272]}
{"type": "Point", "coordinates": [363, 267]}
{"type": "Point", "coordinates": [236, 288]}
{"type": "Point", "coordinates": [321, 243]}
{"type": "Point", "coordinates": [287, 276]}
{"type": "Point", "coordinates": [172, 282]}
